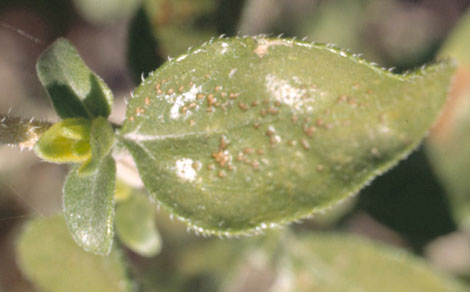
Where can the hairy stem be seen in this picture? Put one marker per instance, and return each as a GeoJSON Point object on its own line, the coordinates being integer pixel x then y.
{"type": "Point", "coordinates": [21, 132]}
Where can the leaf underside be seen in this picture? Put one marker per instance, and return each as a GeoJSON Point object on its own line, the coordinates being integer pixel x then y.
{"type": "Point", "coordinates": [242, 134]}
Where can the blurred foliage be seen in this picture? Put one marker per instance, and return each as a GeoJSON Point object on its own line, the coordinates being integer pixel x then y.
{"type": "Point", "coordinates": [49, 257]}
{"type": "Point", "coordinates": [103, 11]}
{"type": "Point", "coordinates": [135, 225]}
{"type": "Point", "coordinates": [335, 262]}
{"type": "Point", "coordinates": [449, 146]}
{"type": "Point", "coordinates": [410, 200]}
{"type": "Point", "coordinates": [181, 24]}
{"type": "Point", "coordinates": [58, 14]}
{"type": "Point", "coordinates": [142, 51]}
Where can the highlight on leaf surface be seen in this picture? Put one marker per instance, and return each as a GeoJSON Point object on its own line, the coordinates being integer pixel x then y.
{"type": "Point", "coordinates": [242, 134]}
{"type": "Point", "coordinates": [89, 206]}
{"type": "Point", "coordinates": [75, 91]}
{"type": "Point", "coordinates": [66, 141]}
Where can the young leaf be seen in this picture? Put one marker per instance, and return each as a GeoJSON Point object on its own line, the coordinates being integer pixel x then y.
{"type": "Point", "coordinates": [245, 133]}
{"type": "Point", "coordinates": [89, 207]}
{"type": "Point", "coordinates": [101, 141]}
{"type": "Point", "coordinates": [66, 141]}
{"type": "Point", "coordinates": [52, 261]}
{"type": "Point", "coordinates": [321, 262]}
{"type": "Point", "coordinates": [74, 90]}
{"type": "Point", "coordinates": [135, 226]}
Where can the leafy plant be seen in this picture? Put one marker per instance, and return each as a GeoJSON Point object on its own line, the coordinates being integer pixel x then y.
{"type": "Point", "coordinates": [229, 152]}
{"type": "Point", "coordinates": [237, 136]}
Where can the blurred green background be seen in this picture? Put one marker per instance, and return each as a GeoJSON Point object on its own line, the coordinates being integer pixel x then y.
{"type": "Point", "coordinates": [422, 205]}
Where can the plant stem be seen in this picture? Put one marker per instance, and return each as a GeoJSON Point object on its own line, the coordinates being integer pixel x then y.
{"type": "Point", "coordinates": [21, 132]}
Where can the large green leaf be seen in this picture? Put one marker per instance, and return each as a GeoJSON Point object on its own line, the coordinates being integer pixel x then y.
{"type": "Point", "coordinates": [89, 207]}
{"type": "Point", "coordinates": [326, 262]}
{"type": "Point", "coordinates": [244, 133]}
{"type": "Point", "coordinates": [52, 261]}
{"type": "Point", "coordinates": [75, 91]}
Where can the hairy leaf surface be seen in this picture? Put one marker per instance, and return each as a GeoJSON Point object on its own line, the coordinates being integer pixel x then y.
{"type": "Point", "coordinates": [89, 207]}
{"type": "Point", "coordinates": [75, 91]}
{"type": "Point", "coordinates": [244, 133]}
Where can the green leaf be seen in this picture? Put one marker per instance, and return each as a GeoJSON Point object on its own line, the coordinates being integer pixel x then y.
{"type": "Point", "coordinates": [244, 133]}
{"type": "Point", "coordinates": [51, 260]}
{"type": "Point", "coordinates": [142, 57]}
{"type": "Point", "coordinates": [449, 146]}
{"type": "Point", "coordinates": [322, 262]}
{"type": "Point", "coordinates": [101, 141]}
{"type": "Point", "coordinates": [89, 207]}
{"type": "Point", "coordinates": [66, 141]}
{"type": "Point", "coordinates": [135, 226]}
{"type": "Point", "coordinates": [74, 90]}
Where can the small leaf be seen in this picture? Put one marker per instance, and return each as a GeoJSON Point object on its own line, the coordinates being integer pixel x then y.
{"type": "Point", "coordinates": [142, 56]}
{"type": "Point", "coordinates": [51, 260]}
{"type": "Point", "coordinates": [135, 226]}
{"type": "Point", "coordinates": [66, 141]}
{"type": "Point", "coordinates": [74, 90]}
{"type": "Point", "coordinates": [101, 142]}
{"type": "Point", "coordinates": [334, 262]}
{"type": "Point", "coordinates": [89, 207]}
{"type": "Point", "coordinates": [245, 133]}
